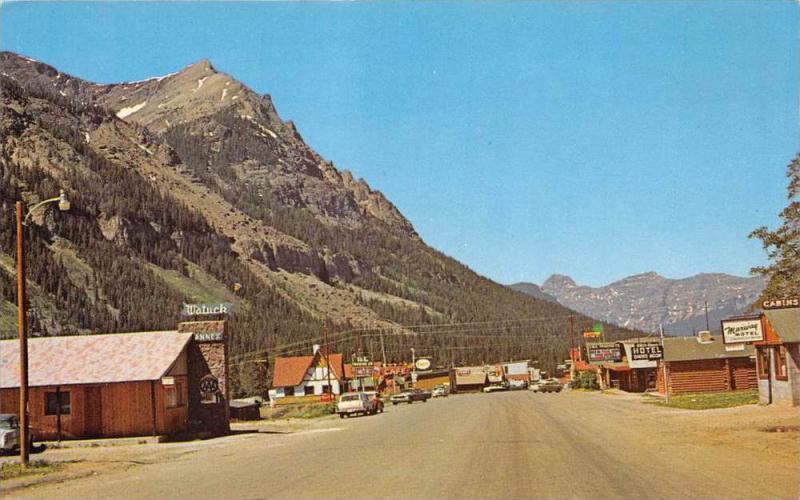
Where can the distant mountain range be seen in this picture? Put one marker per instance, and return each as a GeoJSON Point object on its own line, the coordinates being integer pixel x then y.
{"type": "Point", "coordinates": [644, 301]}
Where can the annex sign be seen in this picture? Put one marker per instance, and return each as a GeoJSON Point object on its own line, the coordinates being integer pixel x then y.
{"type": "Point", "coordinates": [741, 330]}
{"type": "Point", "coordinates": [647, 351]}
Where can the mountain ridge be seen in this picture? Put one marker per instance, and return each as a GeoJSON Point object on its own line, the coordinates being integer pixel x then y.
{"type": "Point", "coordinates": [647, 300]}
{"type": "Point", "coordinates": [181, 197]}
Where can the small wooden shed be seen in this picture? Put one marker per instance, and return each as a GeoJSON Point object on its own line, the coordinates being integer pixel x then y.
{"type": "Point", "coordinates": [112, 385]}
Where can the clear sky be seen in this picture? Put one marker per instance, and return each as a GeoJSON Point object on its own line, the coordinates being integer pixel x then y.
{"type": "Point", "coordinates": [594, 139]}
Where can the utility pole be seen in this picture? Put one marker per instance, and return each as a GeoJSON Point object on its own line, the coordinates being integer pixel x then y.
{"type": "Point", "coordinates": [383, 347]}
{"type": "Point", "coordinates": [327, 356]}
{"type": "Point", "coordinates": [23, 342]}
{"type": "Point", "coordinates": [707, 327]}
{"type": "Point", "coordinates": [413, 369]}
{"type": "Point", "coordinates": [572, 356]}
{"type": "Point", "coordinates": [663, 363]}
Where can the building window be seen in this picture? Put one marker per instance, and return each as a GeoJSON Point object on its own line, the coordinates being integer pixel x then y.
{"type": "Point", "coordinates": [54, 400]}
{"type": "Point", "coordinates": [762, 355]}
{"type": "Point", "coordinates": [309, 390]}
{"type": "Point", "coordinates": [288, 391]}
{"type": "Point", "coordinates": [174, 395]}
{"type": "Point", "coordinates": [171, 396]}
{"type": "Point", "coordinates": [780, 363]}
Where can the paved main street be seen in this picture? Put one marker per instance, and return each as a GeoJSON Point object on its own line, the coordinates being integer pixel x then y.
{"type": "Point", "coordinates": [502, 445]}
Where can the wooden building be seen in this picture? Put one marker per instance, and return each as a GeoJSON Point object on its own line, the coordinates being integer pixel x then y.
{"type": "Point", "coordinates": [517, 370]}
{"type": "Point", "coordinates": [778, 356]}
{"type": "Point", "coordinates": [469, 379]}
{"type": "Point", "coordinates": [431, 378]}
{"type": "Point", "coordinates": [112, 385]}
{"type": "Point", "coordinates": [303, 376]}
{"type": "Point", "coordinates": [705, 364]}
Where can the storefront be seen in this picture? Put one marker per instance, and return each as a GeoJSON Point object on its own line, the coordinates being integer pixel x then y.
{"type": "Point", "coordinates": [778, 357]}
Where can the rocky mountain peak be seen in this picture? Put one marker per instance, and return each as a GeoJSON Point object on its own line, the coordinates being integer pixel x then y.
{"type": "Point", "coordinates": [558, 282]}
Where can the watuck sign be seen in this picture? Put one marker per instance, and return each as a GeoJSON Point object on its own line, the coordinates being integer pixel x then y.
{"type": "Point", "coordinates": [206, 309]}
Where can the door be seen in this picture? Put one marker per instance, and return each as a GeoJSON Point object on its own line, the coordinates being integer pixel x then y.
{"type": "Point", "coordinates": [93, 412]}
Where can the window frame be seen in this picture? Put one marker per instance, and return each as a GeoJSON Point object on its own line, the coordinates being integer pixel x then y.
{"type": "Point", "coordinates": [63, 403]}
{"type": "Point", "coordinates": [762, 362]}
{"type": "Point", "coordinates": [781, 370]}
{"type": "Point", "coordinates": [171, 396]}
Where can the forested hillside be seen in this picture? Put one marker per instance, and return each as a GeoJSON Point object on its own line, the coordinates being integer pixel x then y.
{"type": "Point", "coordinates": [185, 185]}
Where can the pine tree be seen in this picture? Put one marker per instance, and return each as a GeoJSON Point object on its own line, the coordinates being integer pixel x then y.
{"type": "Point", "coordinates": [783, 244]}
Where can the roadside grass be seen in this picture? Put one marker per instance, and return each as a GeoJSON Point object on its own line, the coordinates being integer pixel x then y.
{"type": "Point", "coordinates": [11, 470]}
{"type": "Point", "coordinates": [305, 411]}
{"type": "Point", "coordinates": [706, 401]}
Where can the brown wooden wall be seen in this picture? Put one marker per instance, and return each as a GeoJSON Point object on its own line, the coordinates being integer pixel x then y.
{"type": "Point", "coordinates": [708, 375]}
{"type": "Point", "coordinates": [123, 409]}
{"type": "Point", "coordinates": [430, 383]}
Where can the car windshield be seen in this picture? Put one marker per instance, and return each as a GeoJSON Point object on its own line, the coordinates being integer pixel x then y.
{"type": "Point", "coordinates": [7, 422]}
{"type": "Point", "coordinates": [350, 397]}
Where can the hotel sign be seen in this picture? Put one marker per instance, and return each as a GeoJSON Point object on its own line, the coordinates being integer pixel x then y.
{"type": "Point", "coordinates": [741, 330]}
{"type": "Point", "coordinates": [647, 351]}
{"type": "Point", "coordinates": [206, 309]}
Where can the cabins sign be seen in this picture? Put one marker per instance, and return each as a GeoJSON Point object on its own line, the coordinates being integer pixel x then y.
{"type": "Point", "coordinates": [741, 330]}
{"type": "Point", "coordinates": [206, 309]}
{"type": "Point", "coordinates": [647, 351]}
{"type": "Point", "coordinates": [603, 352]}
{"type": "Point", "coordinates": [780, 303]}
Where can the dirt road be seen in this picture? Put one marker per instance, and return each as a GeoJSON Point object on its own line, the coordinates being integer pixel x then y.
{"type": "Point", "coordinates": [502, 445]}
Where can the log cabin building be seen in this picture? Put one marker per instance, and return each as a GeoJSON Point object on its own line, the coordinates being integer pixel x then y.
{"type": "Point", "coordinates": [705, 364]}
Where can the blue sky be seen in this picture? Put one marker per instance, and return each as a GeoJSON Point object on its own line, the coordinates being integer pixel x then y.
{"type": "Point", "coordinates": [594, 139]}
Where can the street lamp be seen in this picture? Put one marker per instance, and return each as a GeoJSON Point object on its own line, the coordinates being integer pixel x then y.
{"type": "Point", "coordinates": [63, 205]}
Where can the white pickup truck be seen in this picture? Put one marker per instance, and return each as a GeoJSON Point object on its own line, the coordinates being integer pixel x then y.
{"type": "Point", "coordinates": [356, 403]}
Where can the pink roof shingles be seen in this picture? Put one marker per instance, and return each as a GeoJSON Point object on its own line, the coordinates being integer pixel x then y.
{"type": "Point", "coordinates": [92, 359]}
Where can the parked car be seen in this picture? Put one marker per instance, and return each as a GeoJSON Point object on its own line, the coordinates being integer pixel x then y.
{"type": "Point", "coordinates": [410, 396]}
{"type": "Point", "coordinates": [10, 433]}
{"type": "Point", "coordinates": [358, 403]}
{"type": "Point", "coordinates": [495, 388]}
{"type": "Point", "coordinates": [440, 391]}
{"type": "Point", "coordinates": [517, 385]}
{"type": "Point", "coordinates": [550, 385]}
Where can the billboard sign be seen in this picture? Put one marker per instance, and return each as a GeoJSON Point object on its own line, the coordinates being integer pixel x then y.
{"type": "Point", "coordinates": [647, 351]}
{"type": "Point", "coordinates": [591, 335]}
{"type": "Point", "coordinates": [604, 352]}
{"type": "Point", "coordinates": [423, 364]}
{"type": "Point", "coordinates": [735, 331]}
